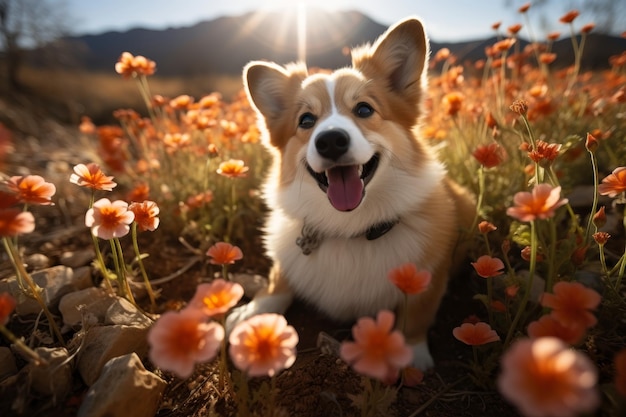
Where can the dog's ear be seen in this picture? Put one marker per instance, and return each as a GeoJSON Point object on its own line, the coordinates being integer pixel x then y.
{"type": "Point", "coordinates": [271, 90]}
{"type": "Point", "coordinates": [399, 57]}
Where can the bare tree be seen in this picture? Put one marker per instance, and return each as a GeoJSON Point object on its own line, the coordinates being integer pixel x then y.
{"type": "Point", "coordinates": [27, 24]}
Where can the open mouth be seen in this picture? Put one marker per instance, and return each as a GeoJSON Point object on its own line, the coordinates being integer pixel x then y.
{"type": "Point", "coordinates": [345, 184]}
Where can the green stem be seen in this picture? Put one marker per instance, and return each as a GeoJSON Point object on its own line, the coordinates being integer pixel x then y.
{"type": "Point", "coordinates": [594, 206]}
{"type": "Point", "coordinates": [34, 356]}
{"type": "Point", "coordinates": [142, 268]}
{"type": "Point", "coordinates": [551, 255]}
{"type": "Point", "coordinates": [101, 265]}
{"type": "Point", "coordinates": [531, 276]}
{"type": "Point", "coordinates": [481, 196]}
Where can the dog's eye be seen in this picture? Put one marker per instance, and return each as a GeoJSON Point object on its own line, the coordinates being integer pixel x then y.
{"type": "Point", "coordinates": [363, 110]}
{"type": "Point", "coordinates": [307, 121]}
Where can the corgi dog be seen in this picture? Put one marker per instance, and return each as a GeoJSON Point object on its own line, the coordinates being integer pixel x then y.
{"type": "Point", "coordinates": [353, 192]}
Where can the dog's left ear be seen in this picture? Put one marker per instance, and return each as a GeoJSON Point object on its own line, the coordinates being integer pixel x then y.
{"type": "Point", "coordinates": [400, 55]}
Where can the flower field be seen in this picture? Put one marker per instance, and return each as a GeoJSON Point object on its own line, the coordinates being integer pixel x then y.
{"type": "Point", "coordinates": [171, 209]}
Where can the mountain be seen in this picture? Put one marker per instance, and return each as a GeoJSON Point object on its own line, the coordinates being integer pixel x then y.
{"type": "Point", "coordinates": [226, 44]}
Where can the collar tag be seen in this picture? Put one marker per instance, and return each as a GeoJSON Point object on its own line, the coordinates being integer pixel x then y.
{"type": "Point", "coordinates": [379, 229]}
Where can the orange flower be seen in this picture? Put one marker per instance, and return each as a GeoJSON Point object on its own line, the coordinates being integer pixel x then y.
{"type": "Point", "coordinates": [614, 183]}
{"type": "Point", "coordinates": [552, 36]}
{"type": "Point", "coordinates": [223, 253]}
{"type": "Point", "coordinates": [146, 215]}
{"type": "Point", "coordinates": [488, 267]}
{"type": "Point", "coordinates": [544, 377]}
{"type": "Point", "coordinates": [544, 153]}
{"type": "Point", "coordinates": [490, 155]}
{"type": "Point", "coordinates": [32, 189]}
{"type": "Point", "coordinates": [547, 58]}
{"type": "Point", "coordinates": [541, 203]}
{"type": "Point", "coordinates": [409, 280]}
{"type": "Point", "coordinates": [453, 102]}
{"type": "Point", "coordinates": [130, 66]}
{"type": "Point", "coordinates": [587, 28]}
{"type": "Point", "coordinates": [109, 219]}
{"type": "Point", "coordinates": [179, 340]}
{"type": "Point", "coordinates": [520, 107]}
{"type": "Point", "coordinates": [620, 372]}
{"type": "Point", "coordinates": [91, 176]}
{"type": "Point", "coordinates": [7, 304]}
{"type": "Point", "coordinates": [601, 238]}
{"type": "Point", "coordinates": [263, 345]}
{"type": "Point", "coordinates": [86, 126]}
{"type": "Point", "coordinates": [175, 141]}
{"type": "Point", "coordinates": [378, 351]}
{"type": "Point", "coordinates": [591, 143]}
{"type": "Point", "coordinates": [485, 227]}
{"type": "Point", "coordinates": [14, 221]}
{"type": "Point", "coordinates": [569, 16]}
{"type": "Point", "coordinates": [513, 29]}
{"type": "Point", "coordinates": [599, 219]}
{"type": "Point", "coordinates": [233, 168]}
{"type": "Point", "coordinates": [548, 326]}
{"type": "Point", "coordinates": [496, 25]}
{"type": "Point", "coordinates": [504, 45]}
{"type": "Point", "coordinates": [524, 8]}
{"type": "Point", "coordinates": [475, 334]}
{"type": "Point", "coordinates": [139, 193]}
{"type": "Point", "coordinates": [217, 297]}
{"type": "Point", "coordinates": [572, 303]}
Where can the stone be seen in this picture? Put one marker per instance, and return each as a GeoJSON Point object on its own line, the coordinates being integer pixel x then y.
{"type": "Point", "coordinates": [76, 259]}
{"type": "Point", "coordinates": [8, 367]}
{"type": "Point", "coordinates": [37, 261]}
{"type": "Point", "coordinates": [124, 312]}
{"type": "Point", "coordinates": [54, 378]}
{"type": "Point", "coordinates": [125, 388]}
{"type": "Point", "coordinates": [103, 343]}
{"type": "Point", "coordinates": [251, 283]}
{"type": "Point", "coordinates": [91, 301]}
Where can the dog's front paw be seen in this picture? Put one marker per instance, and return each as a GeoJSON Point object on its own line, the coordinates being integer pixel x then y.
{"type": "Point", "coordinates": [421, 356]}
{"type": "Point", "coordinates": [274, 303]}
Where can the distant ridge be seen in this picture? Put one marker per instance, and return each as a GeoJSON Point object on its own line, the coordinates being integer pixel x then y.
{"type": "Point", "coordinates": [226, 44]}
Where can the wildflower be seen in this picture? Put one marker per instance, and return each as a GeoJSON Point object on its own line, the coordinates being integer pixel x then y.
{"type": "Point", "coordinates": [91, 176]}
{"type": "Point", "coordinates": [140, 192]}
{"type": "Point", "coordinates": [541, 203]}
{"type": "Point", "coordinates": [587, 28]}
{"type": "Point", "coordinates": [485, 227]}
{"type": "Point", "coordinates": [544, 153]}
{"type": "Point", "coordinates": [181, 102]}
{"type": "Point", "coordinates": [32, 189]}
{"type": "Point", "coordinates": [514, 29]}
{"type": "Point", "coordinates": [130, 66]}
{"type": "Point", "coordinates": [233, 168]}
{"type": "Point", "coordinates": [599, 219]}
{"type": "Point", "coordinates": [524, 8]}
{"type": "Point", "coordinates": [552, 36]}
{"type": "Point", "coordinates": [572, 303]}
{"type": "Point", "coordinates": [475, 334]}
{"type": "Point", "coordinates": [490, 155]}
{"type": "Point", "coordinates": [146, 215]}
{"type": "Point", "coordinates": [547, 57]}
{"type": "Point", "coordinates": [179, 340]}
{"type": "Point", "coordinates": [504, 45]}
{"type": "Point", "coordinates": [378, 351]}
{"type": "Point", "coordinates": [7, 304]}
{"type": "Point", "coordinates": [223, 253]}
{"type": "Point", "coordinates": [496, 25]}
{"type": "Point", "coordinates": [263, 345]}
{"type": "Point", "coordinates": [511, 291]}
{"type": "Point", "coordinates": [216, 298]}
{"type": "Point", "coordinates": [614, 184]}
{"type": "Point", "coordinates": [544, 377]}
{"type": "Point", "coordinates": [175, 141]}
{"type": "Point", "coordinates": [548, 326]}
{"type": "Point", "coordinates": [601, 238]}
{"type": "Point", "coordinates": [591, 143]}
{"type": "Point", "coordinates": [620, 372]}
{"type": "Point", "coordinates": [409, 280]}
{"type": "Point", "coordinates": [109, 219]}
{"type": "Point", "coordinates": [520, 107]}
{"type": "Point", "coordinates": [442, 54]}
{"type": "Point", "coordinates": [453, 102]}
{"type": "Point", "coordinates": [526, 252]}
{"type": "Point", "coordinates": [14, 221]}
{"type": "Point", "coordinates": [198, 200]}
{"type": "Point", "coordinates": [569, 16]}
{"type": "Point", "coordinates": [488, 267]}
{"type": "Point", "coordinates": [86, 126]}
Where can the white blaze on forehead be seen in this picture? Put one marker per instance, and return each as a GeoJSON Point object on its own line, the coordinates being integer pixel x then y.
{"type": "Point", "coordinates": [360, 150]}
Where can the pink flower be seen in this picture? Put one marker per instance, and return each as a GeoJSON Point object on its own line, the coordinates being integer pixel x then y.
{"type": "Point", "coordinates": [146, 215]}
{"type": "Point", "coordinates": [488, 267]}
{"type": "Point", "coordinates": [378, 351]}
{"type": "Point", "coordinates": [109, 219]}
{"type": "Point", "coordinates": [14, 221]}
{"type": "Point", "coordinates": [263, 345]}
{"type": "Point", "coordinates": [216, 298]}
{"type": "Point", "coordinates": [548, 326]}
{"type": "Point", "coordinates": [614, 184]}
{"type": "Point", "coordinates": [475, 334]}
{"type": "Point", "coordinates": [223, 253]}
{"type": "Point", "coordinates": [179, 340]}
{"type": "Point", "coordinates": [32, 189]}
{"type": "Point", "coordinates": [408, 279]}
{"type": "Point", "coordinates": [544, 377]}
{"type": "Point", "coordinates": [541, 203]}
{"type": "Point", "coordinates": [572, 304]}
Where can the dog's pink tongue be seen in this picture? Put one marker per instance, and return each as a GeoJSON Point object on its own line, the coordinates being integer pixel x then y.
{"type": "Point", "coordinates": [345, 188]}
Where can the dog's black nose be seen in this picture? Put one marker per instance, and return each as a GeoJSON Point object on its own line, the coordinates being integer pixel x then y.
{"type": "Point", "coordinates": [332, 143]}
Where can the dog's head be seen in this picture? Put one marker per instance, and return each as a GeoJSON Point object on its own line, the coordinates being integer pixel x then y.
{"type": "Point", "coordinates": [344, 129]}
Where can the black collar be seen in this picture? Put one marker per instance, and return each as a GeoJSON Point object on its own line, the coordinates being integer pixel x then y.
{"type": "Point", "coordinates": [310, 239]}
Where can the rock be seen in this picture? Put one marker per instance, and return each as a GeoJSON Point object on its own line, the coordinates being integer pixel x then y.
{"type": "Point", "coordinates": [75, 259]}
{"type": "Point", "coordinates": [7, 363]}
{"type": "Point", "coordinates": [37, 261]}
{"type": "Point", "coordinates": [106, 342]}
{"type": "Point", "coordinates": [55, 378]}
{"type": "Point", "coordinates": [124, 312]}
{"type": "Point", "coordinates": [91, 301]}
{"type": "Point", "coordinates": [125, 388]}
{"type": "Point", "coordinates": [251, 283]}
{"type": "Point", "coordinates": [55, 282]}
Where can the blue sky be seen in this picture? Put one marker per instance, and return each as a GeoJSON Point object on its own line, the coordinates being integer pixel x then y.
{"type": "Point", "coordinates": [446, 20]}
